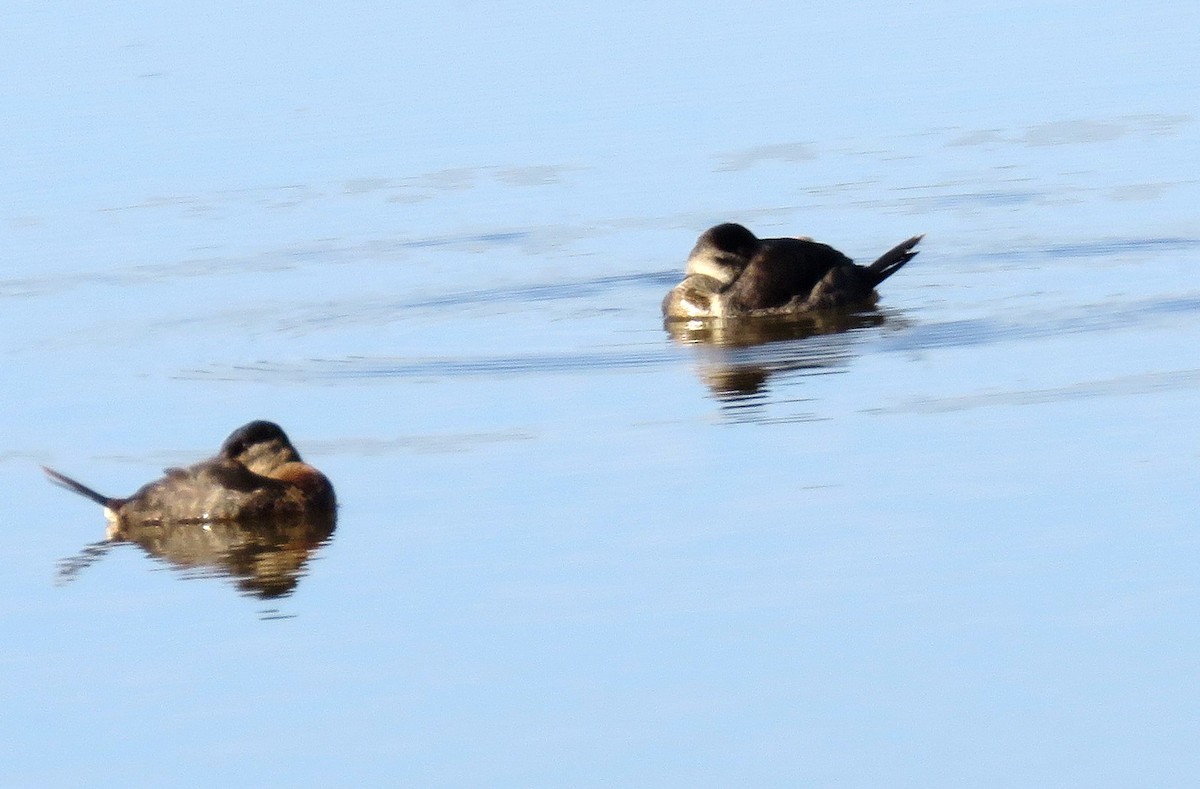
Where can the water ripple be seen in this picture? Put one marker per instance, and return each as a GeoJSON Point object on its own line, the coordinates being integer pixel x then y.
{"type": "Point", "coordinates": [365, 367]}
{"type": "Point", "coordinates": [1089, 318]}
{"type": "Point", "coordinates": [1146, 383]}
{"type": "Point", "coordinates": [1100, 248]}
{"type": "Point", "coordinates": [815, 353]}
{"type": "Point", "coordinates": [285, 258]}
{"type": "Point", "coordinates": [377, 312]}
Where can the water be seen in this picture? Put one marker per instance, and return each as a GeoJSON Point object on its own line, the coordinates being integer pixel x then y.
{"type": "Point", "coordinates": [952, 544]}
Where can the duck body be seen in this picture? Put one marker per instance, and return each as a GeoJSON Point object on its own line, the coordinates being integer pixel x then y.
{"type": "Point", "coordinates": [256, 475]}
{"type": "Point", "coordinates": [732, 273]}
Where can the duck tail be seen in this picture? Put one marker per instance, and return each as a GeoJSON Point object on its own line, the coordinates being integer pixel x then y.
{"type": "Point", "coordinates": [891, 261]}
{"type": "Point", "coordinates": [64, 481]}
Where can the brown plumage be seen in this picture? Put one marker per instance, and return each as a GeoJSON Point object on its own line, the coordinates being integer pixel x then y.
{"type": "Point", "coordinates": [257, 474]}
{"type": "Point", "coordinates": [732, 273]}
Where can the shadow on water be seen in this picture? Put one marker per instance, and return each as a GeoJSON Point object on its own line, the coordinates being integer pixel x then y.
{"type": "Point", "coordinates": [264, 559]}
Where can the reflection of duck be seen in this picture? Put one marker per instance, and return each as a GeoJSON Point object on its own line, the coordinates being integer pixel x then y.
{"type": "Point", "coordinates": [257, 474]}
{"type": "Point", "coordinates": [737, 358]}
{"type": "Point", "coordinates": [743, 334]}
{"type": "Point", "coordinates": [733, 273]}
{"type": "Point", "coordinates": [266, 557]}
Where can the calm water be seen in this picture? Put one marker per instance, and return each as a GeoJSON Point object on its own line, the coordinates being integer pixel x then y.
{"type": "Point", "coordinates": [955, 544]}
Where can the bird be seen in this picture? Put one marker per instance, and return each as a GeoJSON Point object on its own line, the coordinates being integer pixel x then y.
{"type": "Point", "coordinates": [256, 474]}
{"type": "Point", "coordinates": [732, 273]}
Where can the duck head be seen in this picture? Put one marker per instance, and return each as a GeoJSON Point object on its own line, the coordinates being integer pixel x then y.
{"type": "Point", "coordinates": [260, 446]}
{"type": "Point", "coordinates": [723, 252]}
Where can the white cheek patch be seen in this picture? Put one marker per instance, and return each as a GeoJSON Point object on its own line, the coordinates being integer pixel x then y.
{"type": "Point", "coordinates": [708, 267]}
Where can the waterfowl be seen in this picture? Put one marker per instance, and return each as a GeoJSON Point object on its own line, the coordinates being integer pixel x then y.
{"type": "Point", "coordinates": [257, 474]}
{"type": "Point", "coordinates": [732, 273]}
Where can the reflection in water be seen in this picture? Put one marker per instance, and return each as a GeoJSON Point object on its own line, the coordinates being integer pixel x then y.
{"type": "Point", "coordinates": [266, 559]}
{"type": "Point", "coordinates": [744, 333]}
{"type": "Point", "coordinates": [736, 357]}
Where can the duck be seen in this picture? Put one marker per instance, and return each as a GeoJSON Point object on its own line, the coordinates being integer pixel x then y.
{"type": "Point", "coordinates": [731, 273]}
{"type": "Point", "coordinates": [257, 474]}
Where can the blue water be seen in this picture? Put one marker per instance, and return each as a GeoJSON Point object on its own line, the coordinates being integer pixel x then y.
{"type": "Point", "coordinates": [955, 544]}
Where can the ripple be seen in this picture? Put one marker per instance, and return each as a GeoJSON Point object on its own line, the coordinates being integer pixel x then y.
{"type": "Point", "coordinates": [1077, 131]}
{"type": "Point", "coordinates": [1100, 248]}
{"type": "Point", "coordinates": [284, 258]}
{"type": "Point", "coordinates": [781, 152]}
{"type": "Point", "coordinates": [440, 443]}
{"type": "Point", "coordinates": [1146, 383]}
{"type": "Point", "coordinates": [730, 368]}
{"type": "Point", "coordinates": [1035, 325]}
{"type": "Point", "coordinates": [345, 313]}
{"type": "Point", "coordinates": [367, 367]}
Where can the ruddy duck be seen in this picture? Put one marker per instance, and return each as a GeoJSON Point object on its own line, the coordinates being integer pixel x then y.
{"type": "Point", "coordinates": [257, 474]}
{"type": "Point", "coordinates": [733, 273]}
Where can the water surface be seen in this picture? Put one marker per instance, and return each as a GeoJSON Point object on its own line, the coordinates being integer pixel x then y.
{"type": "Point", "coordinates": [953, 543]}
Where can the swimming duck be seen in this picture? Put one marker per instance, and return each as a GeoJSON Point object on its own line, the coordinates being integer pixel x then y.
{"type": "Point", "coordinates": [733, 273]}
{"type": "Point", "coordinates": [257, 474]}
